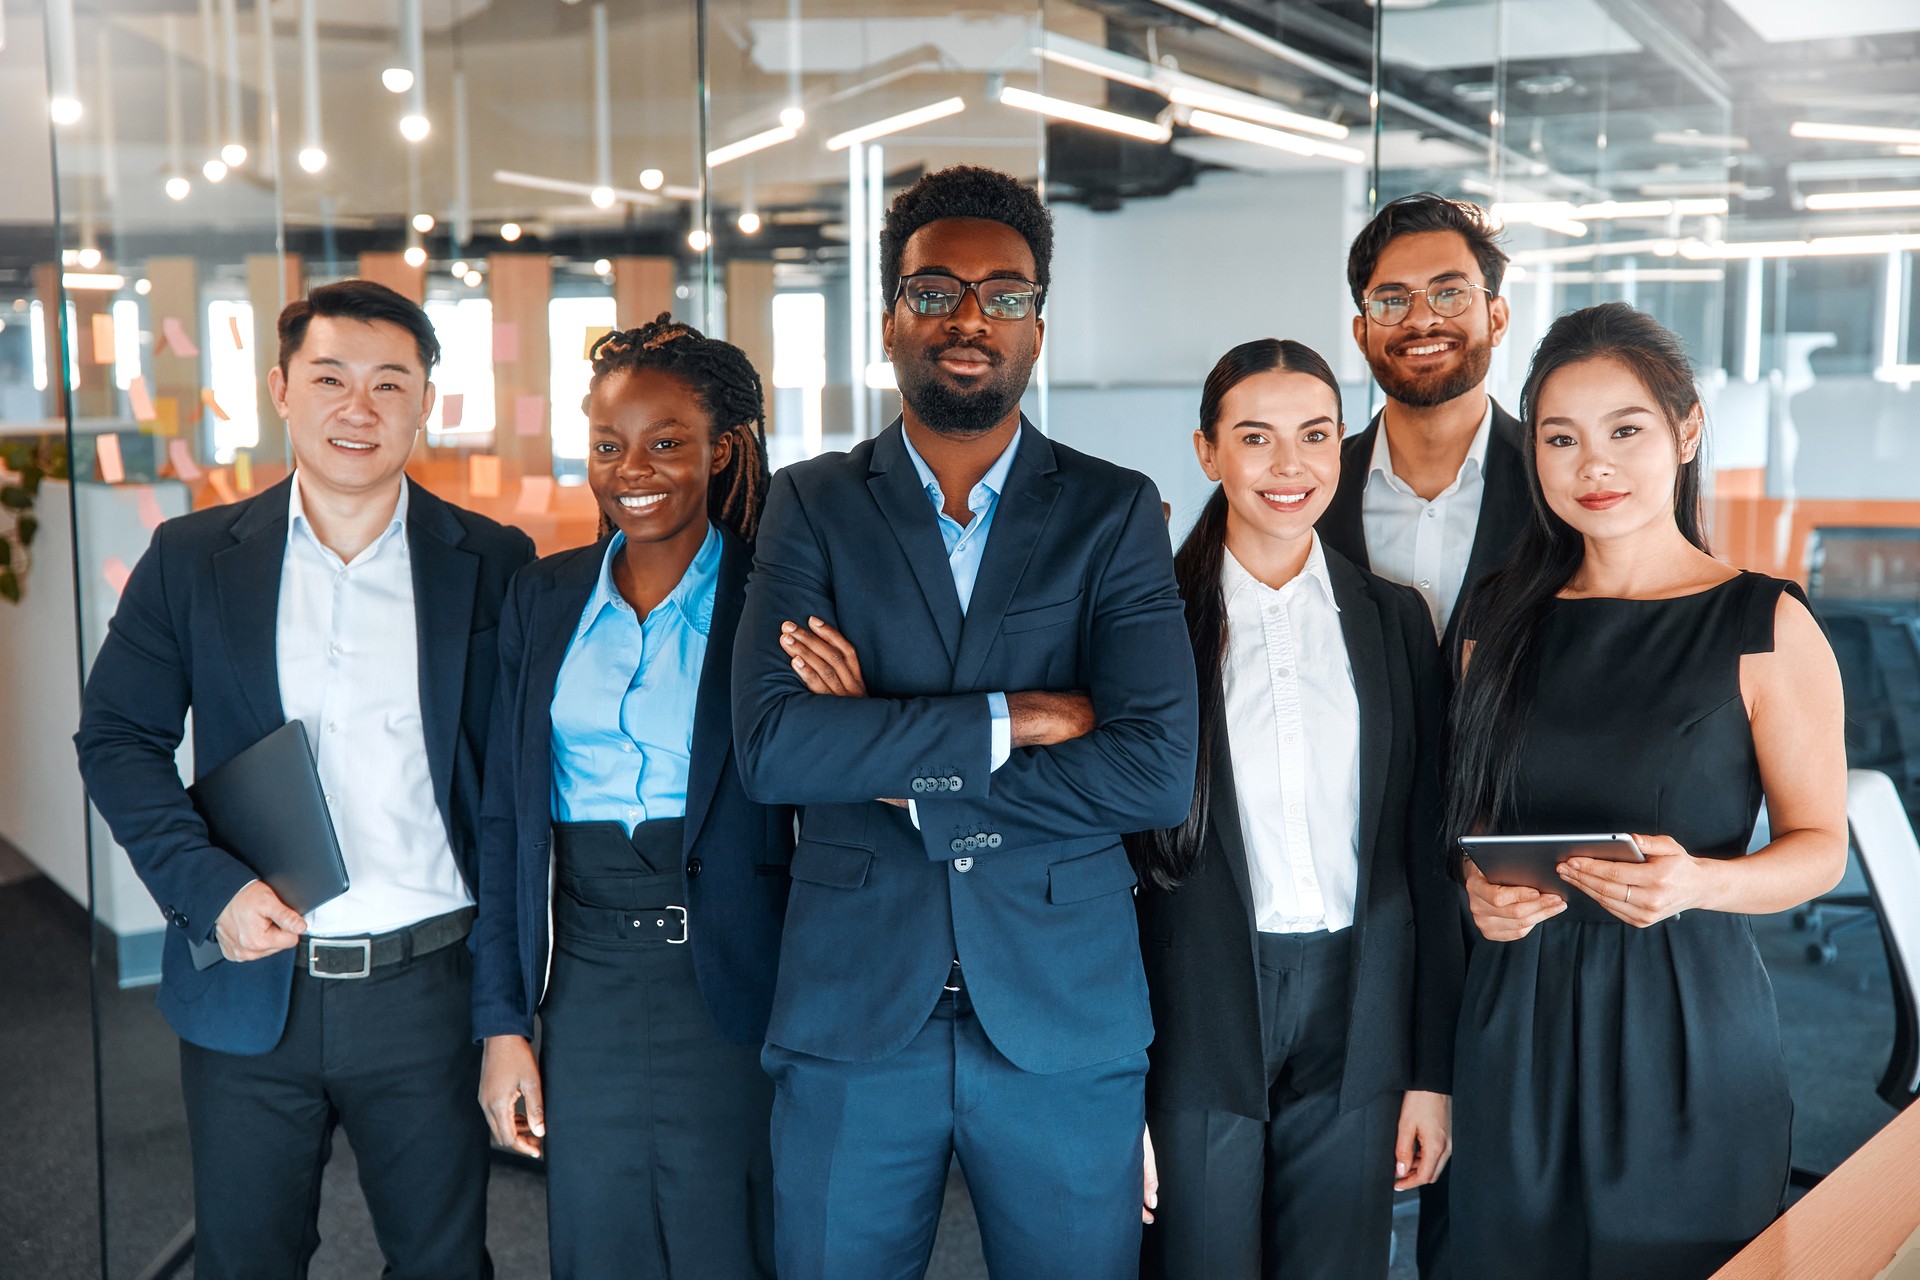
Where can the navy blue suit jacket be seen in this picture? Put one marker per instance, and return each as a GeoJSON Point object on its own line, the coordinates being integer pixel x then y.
{"type": "Point", "coordinates": [196, 628]}
{"type": "Point", "coordinates": [1018, 873]}
{"type": "Point", "coordinates": [734, 865]}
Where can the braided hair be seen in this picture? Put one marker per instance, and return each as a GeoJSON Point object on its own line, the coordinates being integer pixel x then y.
{"type": "Point", "coordinates": [729, 390]}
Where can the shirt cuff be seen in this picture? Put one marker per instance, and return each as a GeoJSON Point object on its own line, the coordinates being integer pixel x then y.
{"type": "Point", "coordinates": [1002, 730]}
{"type": "Point", "coordinates": [913, 812]}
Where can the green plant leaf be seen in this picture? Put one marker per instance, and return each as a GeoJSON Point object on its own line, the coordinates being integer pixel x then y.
{"type": "Point", "coordinates": [6, 552]}
{"type": "Point", "coordinates": [10, 585]}
{"type": "Point", "coordinates": [25, 527]}
{"type": "Point", "coordinates": [16, 497]}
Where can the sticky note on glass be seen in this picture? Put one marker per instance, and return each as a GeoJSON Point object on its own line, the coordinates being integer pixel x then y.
{"type": "Point", "coordinates": [451, 407]}
{"type": "Point", "coordinates": [535, 493]}
{"type": "Point", "coordinates": [182, 459]}
{"type": "Point", "coordinates": [176, 337]}
{"type": "Point", "coordinates": [222, 485]}
{"type": "Point", "coordinates": [206, 398]}
{"type": "Point", "coordinates": [107, 449]}
{"type": "Point", "coordinates": [148, 504]}
{"type": "Point", "coordinates": [243, 471]}
{"type": "Point", "coordinates": [595, 332]}
{"type": "Point", "coordinates": [529, 415]}
{"type": "Point", "coordinates": [166, 416]}
{"type": "Point", "coordinates": [483, 475]}
{"type": "Point", "coordinates": [115, 571]}
{"type": "Point", "coordinates": [233, 327]}
{"type": "Point", "coordinates": [506, 340]}
{"type": "Point", "coordinates": [140, 400]}
{"type": "Point", "coordinates": [103, 340]}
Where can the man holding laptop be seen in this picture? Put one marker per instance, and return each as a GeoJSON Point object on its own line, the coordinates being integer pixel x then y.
{"type": "Point", "coordinates": [355, 602]}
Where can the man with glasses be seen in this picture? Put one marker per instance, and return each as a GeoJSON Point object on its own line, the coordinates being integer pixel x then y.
{"type": "Point", "coordinates": [1434, 493]}
{"type": "Point", "coordinates": [964, 653]}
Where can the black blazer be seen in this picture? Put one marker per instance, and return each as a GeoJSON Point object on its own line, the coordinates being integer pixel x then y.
{"type": "Point", "coordinates": [196, 628]}
{"type": "Point", "coordinates": [734, 867]}
{"type": "Point", "coordinates": [1505, 505]}
{"type": "Point", "coordinates": [1198, 939]}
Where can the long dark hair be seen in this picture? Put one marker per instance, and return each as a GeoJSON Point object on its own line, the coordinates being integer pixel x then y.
{"type": "Point", "coordinates": [1503, 615]}
{"type": "Point", "coordinates": [729, 390]}
{"type": "Point", "coordinates": [1167, 857]}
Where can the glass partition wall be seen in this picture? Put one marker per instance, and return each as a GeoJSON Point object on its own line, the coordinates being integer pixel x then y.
{"type": "Point", "coordinates": [534, 173]}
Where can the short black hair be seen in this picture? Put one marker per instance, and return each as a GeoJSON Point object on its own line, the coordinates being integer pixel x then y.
{"type": "Point", "coordinates": [965, 191]}
{"type": "Point", "coordinates": [357, 300]}
{"type": "Point", "coordinates": [1425, 211]}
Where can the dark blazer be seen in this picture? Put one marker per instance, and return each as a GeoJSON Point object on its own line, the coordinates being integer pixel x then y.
{"type": "Point", "coordinates": [196, 628]}
{"type": "Point", "coordinates": [1198, 939]}
{"type": "Point", "coordinates": [734, 867]}
{"type": "Point", "coordinates": [1017, 872]}
{"type": "Point", "coordinates": [1505, 505]}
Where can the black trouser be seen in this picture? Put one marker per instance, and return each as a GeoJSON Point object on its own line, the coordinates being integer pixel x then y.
{"type": "Point", "coordinates": [391, 1059]}
{"type": "Point", "coordinates": [657, 1151]}
{"type": "Point", "coordinates": [1306, 1194]}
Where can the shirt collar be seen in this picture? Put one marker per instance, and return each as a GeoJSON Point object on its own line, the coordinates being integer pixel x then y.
{"type": "Point", "coordinates": [990, 485]}
{"type": "Point", "coordinates": [1476, 452]}
{"type": "Point", "coordinates": [1234, 577]}
{"type": "Point", "coordinates": [692, 599]}
{"type": "Point", "coordinates": [297, 515]}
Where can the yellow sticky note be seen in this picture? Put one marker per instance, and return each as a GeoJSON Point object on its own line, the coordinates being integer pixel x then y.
{"type": "Point", "coordinates": [206, 398]}
{"type": "Point", "coordinates": [103, 339]}
{"type": "Point", "coordinates": [242, 470]}
{"type": "Point", "coordinates": [166, 416]}
{"type": "Point", "coordinates": [483, 475]}
{"type": "Point", "coordinates": [595, 332]}
{"type": "Point", "coordinates": [140, 400]}
{"type": "Point", "coordinates": [107, 448]}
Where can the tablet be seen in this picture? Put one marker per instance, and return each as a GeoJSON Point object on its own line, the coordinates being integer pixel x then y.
{"type": "Point", "coordinates": [1530, 861]}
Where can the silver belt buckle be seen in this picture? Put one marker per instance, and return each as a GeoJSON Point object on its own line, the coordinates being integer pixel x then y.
{"type": "Point", "coordinates": [363, 945]}
{"type": "Point", "coordinates": [674, 942]}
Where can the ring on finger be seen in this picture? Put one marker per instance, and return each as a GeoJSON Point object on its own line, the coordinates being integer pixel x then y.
{"type": "Point", "coordinates": [1629, 893]}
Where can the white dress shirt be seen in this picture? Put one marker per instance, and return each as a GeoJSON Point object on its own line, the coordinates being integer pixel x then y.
{"type": "Point", "coordinates": [1293, 726]}
{"type": "Point", "coordinates": [1424, 544]}
{"type": "Point", "coordinates": [349, 664]}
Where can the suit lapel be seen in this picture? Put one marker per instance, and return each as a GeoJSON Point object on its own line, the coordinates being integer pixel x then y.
{"type": "Point", "coordinates": [1342, 525]}
{"type": "Point", "coordinates": [896, 488]}
{"type": "Point", "coordinates": [444, 578]}
{"type": "Point", "coordinates": [1017, 524]}
{"type": "Point", "coordinates": [1223, 810]}
{"type": "Point", "coordinates": [712, 710]}
{"type": "Point", "coordinates": [1505, 506]}
{"type": "Point", "coordinates": [1373, 688]}
{"type": "Point", "coordinates": [556, 615]}
{"type": "Point", "coordinates": [247, 582]}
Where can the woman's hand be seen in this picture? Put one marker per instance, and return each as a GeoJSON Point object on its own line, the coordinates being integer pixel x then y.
{"type": "Point", "coordinates": [1643, 893]}
{"type": "Point", "coordinates": [823, 659]}
{"type": "Point", "coordinates": [1507, 912]}
{"type": "Point", "coordinates": [1150, 1187]}
{"type": "Point", "coordinates": [508, 1073]}
{"type": "Point", "coordinates": [1425, 1139]}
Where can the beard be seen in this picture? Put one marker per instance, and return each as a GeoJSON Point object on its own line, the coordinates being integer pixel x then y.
{"type": "Point", "coordinates": [1431, 390]}
{"type": "Point", "coordinates": [954, 411]}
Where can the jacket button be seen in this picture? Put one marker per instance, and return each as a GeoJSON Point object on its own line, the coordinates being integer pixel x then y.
{"type": "Point", "coordinates": [993, 840]}
{"type": "Point", "coordinates": [958, 845]}
{"type": "Point", "coordinates": [953, 783]}
{"type": "Point", "coordinates": [919, 784]}
{"type": "Point", "coordinates": [963, 865]}
{"type": "Point", "coordinates": [693, 868]}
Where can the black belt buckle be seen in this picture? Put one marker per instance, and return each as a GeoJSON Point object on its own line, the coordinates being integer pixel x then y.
{"type": "Point", "coordinates": [362, 948]}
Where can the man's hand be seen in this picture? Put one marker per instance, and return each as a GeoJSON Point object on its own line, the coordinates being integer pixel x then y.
{"type": "Point", "coordinates": [255, 924]}
{"type": "Point", "coordinates": [823, 659]}
{"type": "Point", "coordinates": [1045, 719]}
{"type": "Point", "coordinates": [1424, 1140]}
{"type": "Point", "coordinates": [1150, 1190]}
{"type": "Point", "coordinates": [509, 1073]}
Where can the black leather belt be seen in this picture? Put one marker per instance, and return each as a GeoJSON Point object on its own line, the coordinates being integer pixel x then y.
{"type": "Point", "coordinates": [359, 957]}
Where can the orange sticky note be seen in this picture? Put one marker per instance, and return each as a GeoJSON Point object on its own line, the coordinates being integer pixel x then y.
{"type": "Point", "coordinates": [506, 340]}
{"type": "Point", "coordinates": [148, 504]}
{"type": "Point", "coordinates": [243, 470]}
{"type": "Point", "coordinates": [222, 486]}
{"type": "Point", "coordinates": [107, 449]}
{"type": "Point", "coordinates": [115, 571]}
{"type": "Point", "coordinates": [529, 415]}
{"type": "Point", "coordinates": [535, 493]}
{"type": "Point", "coordinates": [206, 398]}
{"type": "Point", "coordinates": [182, 458]}
{"type": "Point", "coordinates": [140, 400]}
{"type": "Point", "coordinates": [174, 334]}
{"type": "Point", "coordinates": [483, 475]}
{"type": "Point", "coordinates": [233, 325]}
{"type": "Point", "coordinates": [595, 332]}
{"type": "Point", "coordinates": [103, 338]}
{"type": "Point", "coordinates": [452, 406]}
{"type": "Point", "coordinates": [166, 416]}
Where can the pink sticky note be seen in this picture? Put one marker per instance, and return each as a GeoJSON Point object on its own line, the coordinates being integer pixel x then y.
{"type": "Point", "coordinates": [206, 398]}
{"type": "Point", "coordinates": [452, 406]}
{"type": "Point", "coordinates": [233, 326]}
{"type": "Point", "coordinates": [107, 449]}
{"type": "Point", "coordinates": [175, 334]}
{"type": "Point", "coordinates": [181, 456]}
{"type": "Point", "coordinates": [103, 338]}
{"type": "Point", "coordinates": [530, 415]}
{"type": "Point", "coordinates": [116, 573]}
{"type": "Point", "coordinates": [141, 400]}
{"type": "Point", "coordinates": [483, 475]}
{"type": "Point", "coordinates": [535, 493]}
{"type": "Point", "coordinates": [149, 506]}
{"type": "Point", "coordinates": [506, 340]}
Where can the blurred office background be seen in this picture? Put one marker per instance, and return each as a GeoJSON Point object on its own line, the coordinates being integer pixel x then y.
{"type": "Point", "coordinates": [172, 172]}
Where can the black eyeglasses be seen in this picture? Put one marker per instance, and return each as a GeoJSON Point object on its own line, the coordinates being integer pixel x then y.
{"type": "Point", "coordinates": [1002, 298]}
{"type": "Point", "coordinates": [1389, 304]}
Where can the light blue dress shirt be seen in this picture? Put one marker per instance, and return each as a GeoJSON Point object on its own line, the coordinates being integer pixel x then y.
{"type": "Point", "coordinates": [966, 547]}
{"type": "Point", "coordinates": [632, 768]}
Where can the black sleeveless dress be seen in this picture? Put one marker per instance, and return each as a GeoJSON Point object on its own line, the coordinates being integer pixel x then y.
{"type": "Point", "coordinates": [1621, 1108]}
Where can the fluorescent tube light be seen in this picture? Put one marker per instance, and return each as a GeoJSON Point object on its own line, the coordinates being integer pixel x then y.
{"type": "Point", "coordinates": [1818, 247]}
{"type": "Point", "coordinates": [896, 124]}
{"type": "Point", "coordinates": [1058, 109]}
{"type": "Point", "coordinates": [1853, 132]}
{"type": "Point", "coordinates": [747, 146]}
{"type": "Point", "coordinates": [1247, 106]}
{"type": "Point", "coordinates": [92, 280]}
{"type": "Point", "coordinates": [1229, 127]}
{"type": "Point", "coordinates": [1864, 200]}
